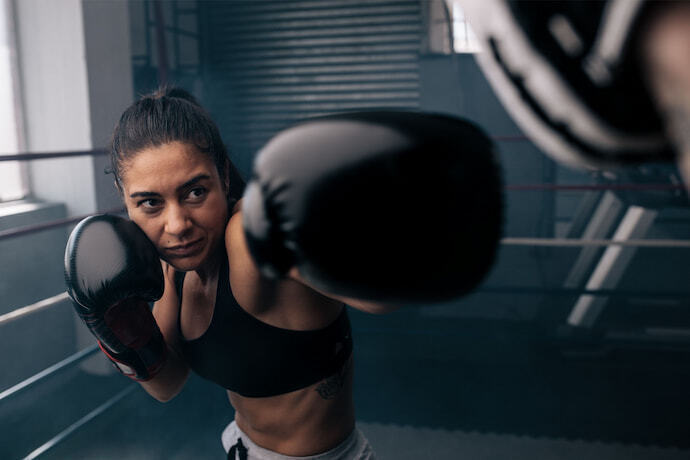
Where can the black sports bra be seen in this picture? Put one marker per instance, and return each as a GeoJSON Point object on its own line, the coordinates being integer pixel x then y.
{"type": "Point", "coordinates": [254, 359]}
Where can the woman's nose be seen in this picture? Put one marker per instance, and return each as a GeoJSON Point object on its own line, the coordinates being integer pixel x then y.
{"type": "Point", "coordinates": [177, 222]}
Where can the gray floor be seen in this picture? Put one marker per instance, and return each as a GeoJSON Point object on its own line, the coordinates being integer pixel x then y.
{"type": "Point", "coordinates": [414, 443]}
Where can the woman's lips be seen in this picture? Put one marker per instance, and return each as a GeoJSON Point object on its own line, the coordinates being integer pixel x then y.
{"type": "Point", "coordinates": [185, 250]}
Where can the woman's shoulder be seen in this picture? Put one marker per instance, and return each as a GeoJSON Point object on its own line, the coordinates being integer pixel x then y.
{"type": "Point", "coordinates": [235, 242]}
{"type": "Point", "coordinates": [239, 258]}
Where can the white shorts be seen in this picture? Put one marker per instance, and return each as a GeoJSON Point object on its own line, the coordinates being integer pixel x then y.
{"type": "Point", "coordinates": [239, 447]}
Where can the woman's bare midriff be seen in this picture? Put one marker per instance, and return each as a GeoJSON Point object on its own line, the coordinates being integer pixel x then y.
{"type": "Point", "coordinates": [305, 422]}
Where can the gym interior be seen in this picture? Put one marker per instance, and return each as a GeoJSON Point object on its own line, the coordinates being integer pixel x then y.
{"type": "Point", "coordinates": [570, 348]}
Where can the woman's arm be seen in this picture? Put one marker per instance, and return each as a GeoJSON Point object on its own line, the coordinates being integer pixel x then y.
{"type": "Point", "coordinates": [169, 381]}
{"type": "Point", "coordinates": [236, 239]}
{"type": "Point", "coordinates": [665, 55]}
{"type": "Point", "coordinates": [363, 305]}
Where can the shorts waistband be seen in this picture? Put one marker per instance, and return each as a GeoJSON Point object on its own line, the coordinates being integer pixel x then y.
{"type": "Point", "coordinates": [345, 450]}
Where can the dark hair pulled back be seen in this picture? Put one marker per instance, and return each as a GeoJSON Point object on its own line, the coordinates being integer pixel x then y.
{"type": "Point", "coordinates": [167, 115]}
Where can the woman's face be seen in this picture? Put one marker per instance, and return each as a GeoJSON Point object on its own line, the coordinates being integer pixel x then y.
{"type": "Point", "coordinates": [174, 193]}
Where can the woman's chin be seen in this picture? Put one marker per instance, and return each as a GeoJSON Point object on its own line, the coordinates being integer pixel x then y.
{"type": "Point", "coordinates": [183, 264]}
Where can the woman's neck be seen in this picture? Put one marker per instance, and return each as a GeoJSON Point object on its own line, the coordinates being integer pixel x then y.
{"type": "Point", "coordinates": [208, 272]}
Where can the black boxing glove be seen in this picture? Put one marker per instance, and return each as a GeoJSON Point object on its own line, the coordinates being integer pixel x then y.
{"type": "Point", "coordinates": [112, 271]}
{"type": "Point", "coordinates": [383, 206]}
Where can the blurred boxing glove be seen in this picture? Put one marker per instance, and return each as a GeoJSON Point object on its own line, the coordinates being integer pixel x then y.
{"type": "Point", "coordinates": [383, 206]}
{"type": "Point", "coordinates": [112, 271]}
{"type": "Point", "coordinates": [569, 74]}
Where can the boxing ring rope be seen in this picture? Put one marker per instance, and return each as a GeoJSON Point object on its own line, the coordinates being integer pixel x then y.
{"type": "Point", "coordinates": [593, 187]}
{"type": "Point", "coordinates": [51, 155]}
{"type": "Point", "coordinates": [574, 292]}
{"type": "Point", "coordinates": [21, 231]}
{"type": "Point", "coordinates": [50, 302]}
{"type": "Point", "coordinates": [25, 156]}
{"type": "Point", "coordinates": [32, 308]}
{"type": "Point", "coordinates": [575, 242]}
{"type": "Point", "coordinates": [48, 371]}
{"type": "Point", "coordinates": [81, 422]}
{"type": "Point", "coordinates": [509, 241]}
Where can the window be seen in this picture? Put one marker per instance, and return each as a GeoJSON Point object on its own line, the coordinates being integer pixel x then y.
{"type": "Point", "coordinates": [464, 39]}
{"type": "Point", "coordinates": [448, 30]}
{"type": "Point", "coordinates": [12, 176]}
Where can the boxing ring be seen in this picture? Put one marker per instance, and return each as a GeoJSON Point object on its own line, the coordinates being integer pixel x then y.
{"type": "Point", "coordinates": [588, 291]}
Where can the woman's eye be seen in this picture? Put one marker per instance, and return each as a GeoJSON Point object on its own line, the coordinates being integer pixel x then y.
{"type": "Point", "coordinates": [196, 193]}
{"type": "Point", "coordinates": [149, 204]}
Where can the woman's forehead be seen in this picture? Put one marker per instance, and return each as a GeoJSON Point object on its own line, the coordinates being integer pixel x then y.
{"type": "Point", "coordinates": [166, 165]}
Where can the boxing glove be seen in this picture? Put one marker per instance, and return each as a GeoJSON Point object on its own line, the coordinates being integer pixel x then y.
{"type": "Point", "coordinates": [384, 206]}
{"type": "Point", "coordinates": [112, 272]}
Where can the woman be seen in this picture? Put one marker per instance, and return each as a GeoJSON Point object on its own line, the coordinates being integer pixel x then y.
{"type": "Point", "coordinates": [281, 345]}
{"type": "Point", "coordinates": [175, 179]}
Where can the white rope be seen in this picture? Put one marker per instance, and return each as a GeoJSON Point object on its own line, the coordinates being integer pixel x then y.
{"type": "Point", "coordinates": [48, 371]}
{"type": "Point", "coordinates": [542, 242]}
{"type": "Point", "coordinates": [33, 308]}
{"type": "Point", "coordinates": [81, 422]}
{"type": "Point", "coordinates": [575, 242]}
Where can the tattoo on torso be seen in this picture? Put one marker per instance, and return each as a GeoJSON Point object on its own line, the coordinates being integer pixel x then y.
{"type": "Point", "coordinates": [331, 386]}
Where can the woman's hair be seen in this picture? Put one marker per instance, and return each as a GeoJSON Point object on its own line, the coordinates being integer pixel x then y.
{"type": "Point", "coordinates": [168, 115]}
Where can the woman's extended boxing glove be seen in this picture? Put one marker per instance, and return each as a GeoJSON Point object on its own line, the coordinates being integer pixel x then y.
{"type": "Point", "coordinates": [384, 206]}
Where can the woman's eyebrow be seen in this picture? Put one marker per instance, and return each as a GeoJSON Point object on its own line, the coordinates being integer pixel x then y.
{"type": "Point", "coordinates": [143, 194]}
{"type": "Point", "coordinates": [189, 183]}
{"type": "Point", "coordinates": [192, 181]}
